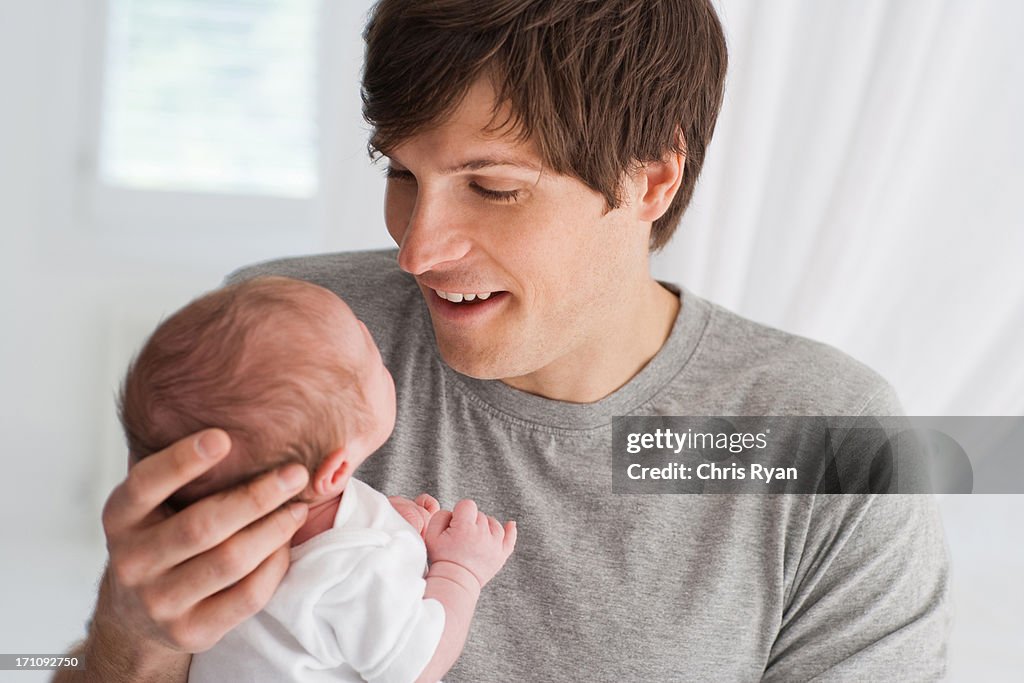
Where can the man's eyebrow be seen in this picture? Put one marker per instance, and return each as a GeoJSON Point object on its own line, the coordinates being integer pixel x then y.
{"type": "Point", "coordinates": [477, 164]}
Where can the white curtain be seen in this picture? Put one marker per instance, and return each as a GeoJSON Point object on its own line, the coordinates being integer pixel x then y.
{"type": "Point", "coordinates": [862, 189]}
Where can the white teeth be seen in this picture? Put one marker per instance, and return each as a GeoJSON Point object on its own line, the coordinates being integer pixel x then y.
{"type": "Point", "coordinates": [457, 297]}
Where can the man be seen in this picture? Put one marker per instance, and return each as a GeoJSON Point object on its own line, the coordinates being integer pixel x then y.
{"type": "Point", "coordinates": [537, 152]}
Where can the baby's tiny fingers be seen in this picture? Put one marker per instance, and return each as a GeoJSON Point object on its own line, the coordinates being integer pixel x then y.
{"type": "Point", "coordinates": [465, 512]}
{"type": "Point", "coordinates": [427, 501]}
{"type": "Point", "coordinates": [511, 533]}
{"type": "Point", "coordinates": [496, 529]}
{"type": "Point", "coordinates": [438, 523]}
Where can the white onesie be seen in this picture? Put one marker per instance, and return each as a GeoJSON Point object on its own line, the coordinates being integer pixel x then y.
{"type": "Point", "coordinates": [350, 608]}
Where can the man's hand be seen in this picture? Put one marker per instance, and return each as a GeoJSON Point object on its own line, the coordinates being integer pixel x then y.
{"type": "Point", "coordinates": [176, 583]}
{"type": "Point", "coordinates": [470, 539]}
{"type": "Point", "coordinates": [418, 512]}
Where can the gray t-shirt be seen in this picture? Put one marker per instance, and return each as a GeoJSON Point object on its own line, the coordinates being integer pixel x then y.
{"type": "Point", "coordinates": [613, 587]}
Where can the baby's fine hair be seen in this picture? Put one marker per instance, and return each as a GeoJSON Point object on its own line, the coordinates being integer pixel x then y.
{"type": "Point", "coordinates": [249, 358]}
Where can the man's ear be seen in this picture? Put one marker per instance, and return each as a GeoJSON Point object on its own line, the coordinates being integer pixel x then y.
{"type": "Point", "coordinates": [332, 474]}
{"type": "Point", "coordinates": [658, 183]}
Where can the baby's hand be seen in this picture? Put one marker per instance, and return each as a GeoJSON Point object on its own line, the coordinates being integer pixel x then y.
{"type": "Point", "coordinates": [417, 513]}
{"type": "Point", "coordinates": [470, 539]}
{"type": "Point", "coordinates": [428, 503]}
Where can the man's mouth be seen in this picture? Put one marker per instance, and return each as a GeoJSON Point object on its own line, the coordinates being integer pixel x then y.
{"type": "Point", "coordinates": [461, 297]}
{"type": "Point", "coordinates": [466, 307]}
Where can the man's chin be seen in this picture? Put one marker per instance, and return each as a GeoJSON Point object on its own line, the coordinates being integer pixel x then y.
{"type": "Point", "coordinates": [473, 363]}
{"type": "Point", "coordinates": [470, 367]}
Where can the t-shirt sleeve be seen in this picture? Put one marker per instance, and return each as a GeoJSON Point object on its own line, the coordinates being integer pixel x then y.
{"type": "Point", "coordinates": [870, 600]}
{"type": "Point", "coordinates": [383, 627]}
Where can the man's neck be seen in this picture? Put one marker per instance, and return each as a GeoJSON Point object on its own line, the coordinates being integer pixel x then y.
{"type": "Point", "coordinates": [605, 364]}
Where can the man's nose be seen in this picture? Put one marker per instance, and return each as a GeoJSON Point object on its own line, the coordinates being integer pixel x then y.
{"type": "Point", "coordinates": [432, 238]}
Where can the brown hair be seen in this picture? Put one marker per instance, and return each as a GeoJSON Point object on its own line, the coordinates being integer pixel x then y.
{"type": "Point", "coordinates": [230, 359]}
{"type": "Point", "coordinates": [599, 85]}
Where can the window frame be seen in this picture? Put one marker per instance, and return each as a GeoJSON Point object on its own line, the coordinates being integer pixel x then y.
{"type": "Point", "coordinates": [157, 219]}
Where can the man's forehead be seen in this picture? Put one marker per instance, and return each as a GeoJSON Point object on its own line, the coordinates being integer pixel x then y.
{"type": "Point", "coordinates": [489, 160]}
{"type": "Point", "coordinates": [476, 135]}
{"type": "Point", "coordinates": [455, 156]}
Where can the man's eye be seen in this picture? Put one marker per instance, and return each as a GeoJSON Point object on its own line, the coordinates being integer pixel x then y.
{"type": "Point", "coordinates": [493, 195]}
{"type": "Point", "coordinates": [496, 195]}
{"type": "Point", "coordinates": [394, 174]}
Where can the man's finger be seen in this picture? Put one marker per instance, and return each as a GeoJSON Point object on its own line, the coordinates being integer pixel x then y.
{"type": "Point", "coordinates": [232, 560]}
{"type": "Point", "coordinates": [220, 613]}
{"type": "Point", "coordinates": [210, 521]}
{"type": "Point", "coordinates": [152, 480]}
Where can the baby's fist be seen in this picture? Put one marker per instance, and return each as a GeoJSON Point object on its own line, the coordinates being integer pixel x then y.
{"type": "Point", "coordinates": [418, 512]}
{"type": "Point", "coordinates": [471, 539]}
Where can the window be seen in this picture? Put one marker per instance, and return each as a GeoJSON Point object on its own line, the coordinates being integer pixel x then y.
{"type": "Point", "coordinates": [201, 128]}
{"type": "Point", "coordinates": [210, 96]}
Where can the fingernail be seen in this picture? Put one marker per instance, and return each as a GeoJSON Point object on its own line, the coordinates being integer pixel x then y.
{"type": "Point", "coordinates": [212, 444]}
{"type": "Point", "coordinates": [298, 511]}
{"type": "Point", "coordinates": [292, 477]}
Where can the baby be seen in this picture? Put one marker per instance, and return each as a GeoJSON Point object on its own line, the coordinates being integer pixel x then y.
{"type": "Point", "coordinates": [292, 375]}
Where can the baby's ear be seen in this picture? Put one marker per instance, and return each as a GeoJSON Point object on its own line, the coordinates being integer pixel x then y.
{"type": "Point", "coordinates": [332, 474]}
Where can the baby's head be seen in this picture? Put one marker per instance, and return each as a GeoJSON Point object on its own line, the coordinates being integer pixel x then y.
{"type": "Point", "coordinates": [282, 365]}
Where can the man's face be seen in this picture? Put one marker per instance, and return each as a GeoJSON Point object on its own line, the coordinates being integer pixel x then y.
{"type": "Point", "coordinates": [474, 213]}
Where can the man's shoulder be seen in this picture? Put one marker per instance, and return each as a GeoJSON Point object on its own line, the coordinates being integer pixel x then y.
{"type": "Point", "coordinates": [772, 371]}
{"type": "Point", "coordinates": [344, 270]}
{"type": "Point", "coordinates": [370, 282]}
